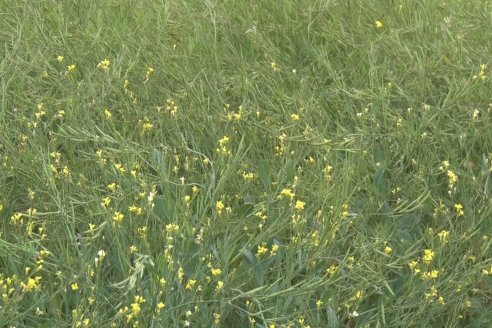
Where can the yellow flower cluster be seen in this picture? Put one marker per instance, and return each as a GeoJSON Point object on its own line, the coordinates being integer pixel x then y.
{"type": "Point", "coordinates": [232, 115]}
{"type": "Point", "coordinates": [31, 284]}
{"type": "Point", "coordinates": [443, 236]}
{"type": "Point", "coordinates": [146, 124]}
{"type": "Point", "coordinates": [190, 284]}
{"type": "Point", "coordinates": [434, 295]}
{"type": "Point", "coordinates": [286, 193]}
{"type": "Point", "coordinates": [482, 75]}
{"type": "Point", "coordinates": [135, 210]}
{"type": "Point", "coordinates": [222, 149]}
{"type": "Point", "coordinates": [219, 206]}
{"type": "Point", "coordinates": [104, 64]}
{"type": "Point", "coordinates": [430, 275]}
{"type": "Point", "coordinates": [459, 209]}
{"type": "Point", "coordinates": [299, 205]}
{"type": "Point", "coordinates": [118, 218]}
{"type": "Point", "coordinates": [428, 256]}
{"type": "Point", "coordinates": [135, 309]}
{"type": "Point", "coordinates": [262, 250]}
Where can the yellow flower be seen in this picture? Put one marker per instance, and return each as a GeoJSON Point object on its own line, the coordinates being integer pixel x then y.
{"type": "Point", "coordinates": [146, 125]}
{"type": "Point", "coordinates": [180, 274]}
{"type": "Point", "coordinates": [274, 250]}
{"type": "Point", "coordinates": [16, 218]}
{"type": "Point", "coordinates": [74, 286]}
{"type": "Point", "coordinates": [378, 24]}
{"type": "Point", "coordinates": [112, 186]}
{"type": "Point", "coordinates": [136, 305]}
{"type": "Point", "coordinates": [234, 116]}
{"type": "Point", "coordinates": [191, 283]}
{"type": "Point", "coordinates": [452, 178]}
{"type": "Point", "coordinates": [413, 265]}
{"type": "Point", "coordinates": [104, 64]}
{"type": "Point", "coordinates": [345, 213]}
{"type": "Point", "coordinates": [443, 236]}
{"type": "Point", "coordinates": [261, 251]}
{"type": "Point", "coordinates": [459, 209]}
{"type": "Point", "coordinates": [119, 167]}
{"type": "Point", "coordinates": [248, 176]}
{"type": "Point", "coordinates": [135, 210]}
{"type": "Point", "coordinates": [388, 250]}
{"type": "Point", "coordinates": [160, 306]}
{"type": "Point", "coordinates": [136, 309]}
{"type": "Point", "coordinates": [31, 284]}
{"type": "Point", "coordinates": [219, 206]}
{"type": "Point", "coordinates": [142, 231]}
{"type": "Point", "coordinates": [299, 205]}
{"type": "Point", "coordinates": [332, 269]}
{"type": "Point", "coordinates": [327, 171]}
{"type": "Point", "coordinates": [359, 295]}
{"type": "Point", "coordinates": [430, 275]}
{"type": "Point", "coordinates": [222, 146]}
{"type": "Point", "coordinates": [216, 272]}
{"type": "Point", "coordinates": [444, 166]}
{"type": "Point", "coordinates": [216, 318]}
{"type": "Point", "coordinates": [172, 227]}
{"type": "Point", "coordinates": [118, 217]}
{"type": "Point", "coordinates": [108, 114]}
{"type": "Point", "coordinates": [286, 192]}
{"type": "Point", "coordinates": [482, 75]}
{"type": "Point", "coordinates": [65, 172]}
{"type": "Point", "coordinates": [433, 293]}
{"type": "Point", "coordinates": [56, 156]}
{"type": "Point", "coordinates": [71, 68]}
{"type": "Point", "coordinates": [294, 117]}
{"type": "Point", "coordinates": [59, 59]}
{"type": "Point", "coordinates": [105, 202]}
{"type": "Point", "coordinates": [40, 114]}
{"type": "Point", "coordinates": [428, 256]}
{"type": "Point", "coordinates": [219, 286]}
{"type": "Point", "coordinates": [224, 141]}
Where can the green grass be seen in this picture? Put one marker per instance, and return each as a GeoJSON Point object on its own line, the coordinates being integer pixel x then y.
{"type": "Point", "coordinates": [245, 163]}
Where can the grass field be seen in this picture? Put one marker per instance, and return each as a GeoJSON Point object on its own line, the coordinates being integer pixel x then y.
{"type": "Point", "coordinates": [245, 163]}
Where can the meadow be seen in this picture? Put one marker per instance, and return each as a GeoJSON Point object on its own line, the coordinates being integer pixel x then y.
{"type": "Point", "coordinates": [305, 163]}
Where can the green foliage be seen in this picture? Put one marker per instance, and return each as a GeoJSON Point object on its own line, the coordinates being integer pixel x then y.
{"type": "Point", "coordinates": [245, 163]}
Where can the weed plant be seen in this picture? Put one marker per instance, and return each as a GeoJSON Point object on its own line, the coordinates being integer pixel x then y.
{"type": "Point", "coordinates": [245, 163]}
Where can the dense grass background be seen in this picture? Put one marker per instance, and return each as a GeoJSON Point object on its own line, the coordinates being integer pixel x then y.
{"type": "Point", "coordinates": [245, 163]}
